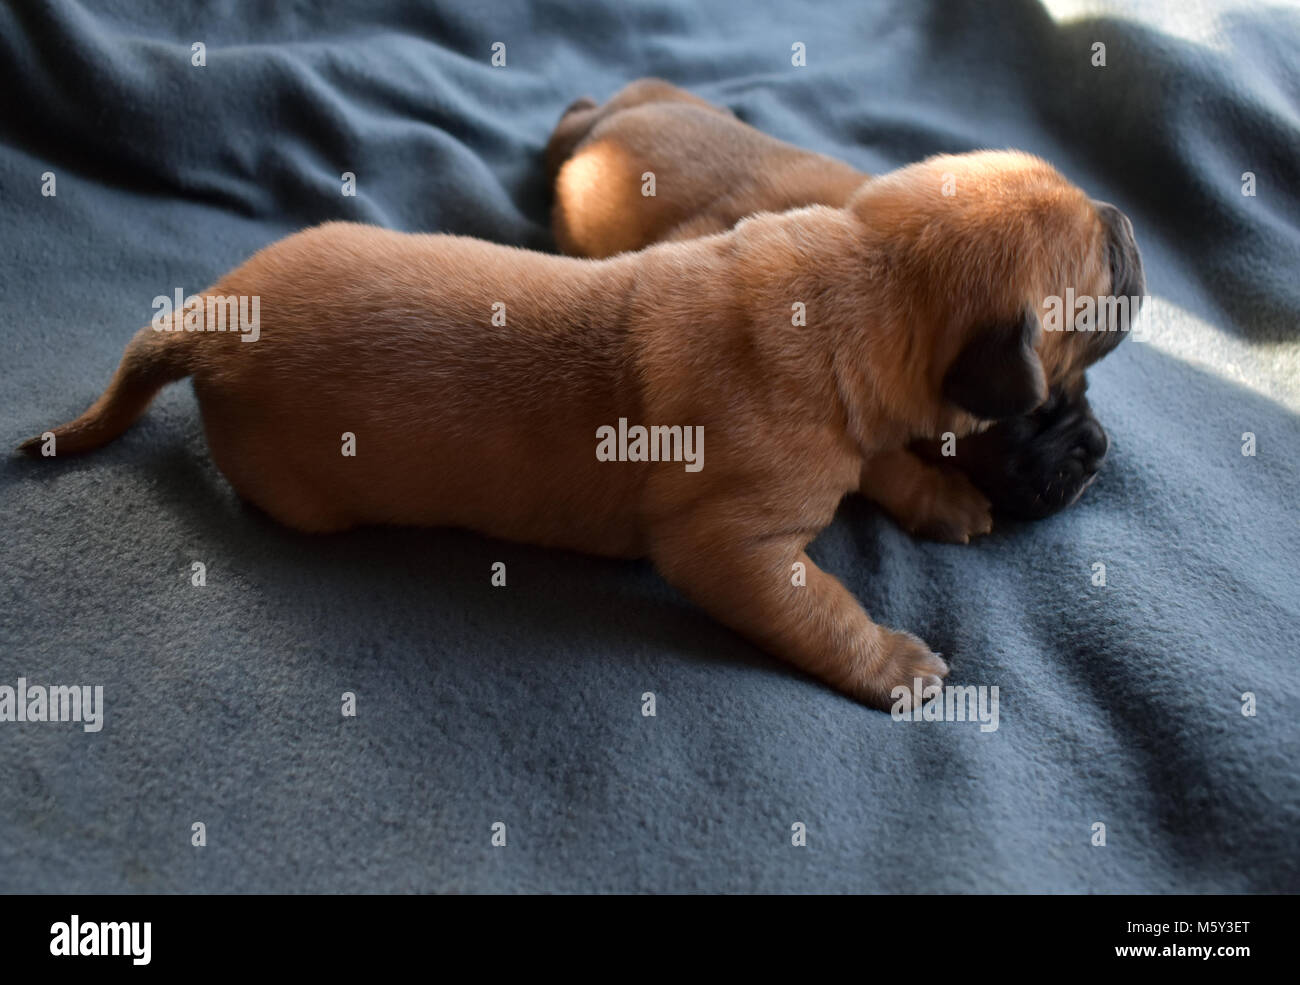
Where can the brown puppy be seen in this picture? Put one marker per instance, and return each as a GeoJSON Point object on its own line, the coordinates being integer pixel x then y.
{"type": "Point", "coordinates": [711, 170]}
{"type": "Point", "coordinates": [386, 344]}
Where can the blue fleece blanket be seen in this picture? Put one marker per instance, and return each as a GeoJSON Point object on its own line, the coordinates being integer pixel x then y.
{"type": "Point", "coordinates": [1144, 643]}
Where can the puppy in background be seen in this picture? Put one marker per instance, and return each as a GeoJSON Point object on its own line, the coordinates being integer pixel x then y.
{"type": "Point", "coordinates": [710, 171]}
{"type": "Point", "coordinates": [381, 389]}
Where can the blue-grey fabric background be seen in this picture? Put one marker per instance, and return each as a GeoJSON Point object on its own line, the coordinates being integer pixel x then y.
{"type": "Point", "coordinates": [1119, 704]}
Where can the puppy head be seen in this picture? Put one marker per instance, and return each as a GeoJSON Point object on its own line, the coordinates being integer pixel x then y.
{"type": "Point", "coordinates": [980, 253]}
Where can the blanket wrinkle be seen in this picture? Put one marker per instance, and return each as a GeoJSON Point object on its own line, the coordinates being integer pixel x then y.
{"type": "Point", "coordinates": [1126, 635]}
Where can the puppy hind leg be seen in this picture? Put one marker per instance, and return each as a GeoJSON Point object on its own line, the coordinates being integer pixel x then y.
{"type": "Point", "coordinates": [267, 469]}
{"type": "Point", "coordinates": [574, 125]}
{"type": "Point", "coordinates": [292, 504]}
{"type": "Point", "coordinates": [305, 517]}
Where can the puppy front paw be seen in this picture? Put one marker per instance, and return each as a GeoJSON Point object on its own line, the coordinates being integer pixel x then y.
{"type": "Point", "coordinates": [953, 511]}
{"type": "Point", "coordinates": [902, 659]}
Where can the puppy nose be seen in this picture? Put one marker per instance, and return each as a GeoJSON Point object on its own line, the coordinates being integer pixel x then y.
{"type": "Point", "coordinates": [1093, 444]}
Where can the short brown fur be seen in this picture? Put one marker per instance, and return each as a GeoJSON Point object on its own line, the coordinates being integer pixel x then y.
{"type": "Point", "coordinates": [711, 171]}
{"type": "Point", "coordinates": [493, 427]}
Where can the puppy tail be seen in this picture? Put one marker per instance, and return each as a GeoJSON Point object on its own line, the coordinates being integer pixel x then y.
{"type": "Point", "coordinates": [573, 127]}
{"type": "Point", "coordinates": [151, 361]}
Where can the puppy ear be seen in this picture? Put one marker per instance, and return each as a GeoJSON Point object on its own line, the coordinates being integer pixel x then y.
{"type": "Point", "coordinates": [998, 374]}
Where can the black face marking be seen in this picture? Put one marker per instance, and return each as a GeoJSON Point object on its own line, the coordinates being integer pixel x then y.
{"type": "Point", "coordinates": [998, 373]}
{"type": "Point", "coordinates": [1036, 464]}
